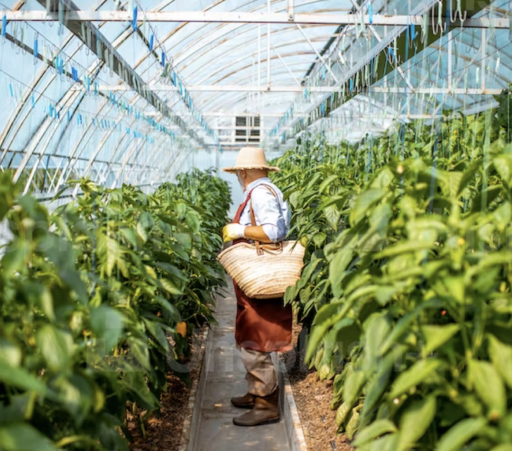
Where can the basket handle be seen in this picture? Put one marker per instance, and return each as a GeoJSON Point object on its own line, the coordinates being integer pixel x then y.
{"type": "Point", "coordinates": [276, 250]}
{"type": "Point", "coordinates": [259, 251]}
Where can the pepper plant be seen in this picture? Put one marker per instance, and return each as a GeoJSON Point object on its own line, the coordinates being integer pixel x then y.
{"type": "Point", "coordinates": [91, 296]}
{"type": "Point", "coordinates": [408, 280]}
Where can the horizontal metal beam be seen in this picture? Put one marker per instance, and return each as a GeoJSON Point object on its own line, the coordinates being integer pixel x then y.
{"type": "Point", "coordinates": [211, 88]}
{"type": "Point", "coordinates": [248, 17]}
{"type": "Point", "coordinates": [446, 91]}
{"type": "Point", "coordinates": [238, 144]}
{"type": "Point", "coordinates": [233, 114]}
{"type": "Point", "coordinates": [241, 127]}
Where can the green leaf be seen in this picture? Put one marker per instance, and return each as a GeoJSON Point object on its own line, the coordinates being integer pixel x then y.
{"type": "Point", "coordinates": [501, 355]}
{"type": "Point", "coordinates": [353, 424]}
{"type": "Point", "coordinates": [436, 336]}
{"type": "Point", "coordinates": [468, 175]}
{"type": "Point", "coordinates": [319, 239]}
{"type": "Point", "coordinates": [294, 197]}
{"type": "Point", "coordinates": [503, 447]}
{"type": "Point", "coordinates": [326, 317]}
{"type": "Point", "coordinates": [107, 324]}
{"type": "Point", "coordinates": [415, 422]}
{"type": "Point", "coordinates": [146, 220]}
{"type": "Point", "coordinates": [337, 268]}
{"type": "Point", "coordinates": [56, 346]}
{"type": "Point", "coordinates": [332, 214]}
{"type": "Point", "coordinates": [157, 332]}
{"type": "Point", "coordinates": [373, 431]}
{"type": "Point", "coordinates": [193, 221]}
{"type": "Point", "coordinates": [403, 248]}
{"type": "Point", "coordinates": [342, 414]}
{"type": "Point", "coordinates": [167, 306]}
{"type": "Point", "coordinates": [383, 178]}
{"type": "Point", "coordinates": [172, 270]}
{"type": "Point", "coordinates": [170, 287]}
{"type": "Point", "coordinates": [489, 387]}
{"type": "Point", "coordinates": [20, 378]}
{"type": "Point", "coordinates": [387, 443]}
{"type": "Point", "coordinates": [23, 437]}
{"type": "Point", "coordinates": [460, 434]}
{"type": "Point", "coordinates": [327, 182]}
{"type": "Point", "coordinates": [363, 203]}
{"type": "Point", "coordinates": [353, 387]}
{"type": "Point", "coordinates": [110, 252]}
{"type": "Point", "coordinates": [185, 239]}
{"type": "Point", "coordinates": [15, 256]}
{"type": "Point", "coordinates": [141, 231]}
{"type": "Point", "coordinates": [129, 235]}
{"type": "Point", "coordinates": [415, 375]}
{"type": "Point", "coordinates": [338, 200]}
{"type": "Point", "coordinates": [503, 165]}
{"type": "Point", "coordinates": [451, 182]}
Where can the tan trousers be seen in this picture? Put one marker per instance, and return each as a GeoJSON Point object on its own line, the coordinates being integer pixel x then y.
{"type": "Point", "coordinates": [261, 375]}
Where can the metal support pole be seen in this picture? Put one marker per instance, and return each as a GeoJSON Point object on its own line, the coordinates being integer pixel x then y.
{"type": "Point", "coordinates": [484, 56]}
{"type": "Point", "coordinates": [286, 66]}
{"type": "Point", "coordinates": [320, 57]}
{"type": "Point", "coordinates": [291, 12]}
{"type": "Point", "coordinates": [259, 67]}
{"type": "Point", "coordinates": [450, 70]}
{"type": "Point", "coordinates": [268, 47]}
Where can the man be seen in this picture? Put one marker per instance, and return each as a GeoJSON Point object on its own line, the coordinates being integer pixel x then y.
{"type": "Point", "coordinates": [262, 326]}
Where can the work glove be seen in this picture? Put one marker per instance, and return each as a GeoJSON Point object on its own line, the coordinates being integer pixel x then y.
{"type": "Point", "coordinates": [232, 232]}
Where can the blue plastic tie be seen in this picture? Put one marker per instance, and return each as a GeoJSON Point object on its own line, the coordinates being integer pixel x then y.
{"type": "Point", "coordinates": [351, 84]}
{"type": "Point", "coordinates": [11, 90]}
{"type": "Point", "coordinates": [36, 48]}
{"type": "Point", "coordinates": [151, 42]}
{"type": "Point", "coordinates": [163, 59]}
{"type": "Point", "coordinates": [134, 21]}
{"type": "Point", "coordinates": [370, 13]}
{"type": "Point", "coordinates": [4, 25]}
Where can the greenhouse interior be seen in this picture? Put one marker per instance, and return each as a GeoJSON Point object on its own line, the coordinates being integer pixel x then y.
{"type": "Point", "coordinates": [260, 225]}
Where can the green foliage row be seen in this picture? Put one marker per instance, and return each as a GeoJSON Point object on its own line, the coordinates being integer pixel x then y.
{"type": "Point", "coordinates": [91, 296]}
{"type": "Point", "coordinates": [407, 286]}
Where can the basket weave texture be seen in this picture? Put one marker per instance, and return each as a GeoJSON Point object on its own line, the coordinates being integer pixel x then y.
{"type": "Point", "coordinates": [264, 276]}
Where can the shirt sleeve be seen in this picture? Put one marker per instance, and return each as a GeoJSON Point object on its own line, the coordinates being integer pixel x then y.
{"type": "Point", "coordinates": [268, 214]}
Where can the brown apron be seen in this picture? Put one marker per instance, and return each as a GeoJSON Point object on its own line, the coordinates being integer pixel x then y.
{"type": "Point", "coordinates": [261, 324]}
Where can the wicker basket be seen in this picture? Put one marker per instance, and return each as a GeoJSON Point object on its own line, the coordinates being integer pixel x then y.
{"type": "Point", "coordinates": [264, 276]}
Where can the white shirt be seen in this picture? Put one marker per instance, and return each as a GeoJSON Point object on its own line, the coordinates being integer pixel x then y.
{"type": "Point", "coordinates": [270, 212]}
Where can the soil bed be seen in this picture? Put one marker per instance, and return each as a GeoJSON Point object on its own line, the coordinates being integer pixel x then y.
{"type": "Point", "coordinates": [313, 399]}
{"type": "Point", "coordinates": [164, 432]}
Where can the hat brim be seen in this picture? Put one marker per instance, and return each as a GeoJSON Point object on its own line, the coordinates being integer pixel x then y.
{"type": "Point", "coordinates": [233, 169]}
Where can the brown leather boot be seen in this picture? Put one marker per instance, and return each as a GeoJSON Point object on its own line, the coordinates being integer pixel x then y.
{"type": "Point", "coordinates": [265, 411]}
{"type": "Point", "coordinates": [244, 402]}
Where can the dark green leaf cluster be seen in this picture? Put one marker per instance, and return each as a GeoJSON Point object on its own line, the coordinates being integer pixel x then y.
{"type": "Point", "coordinates": [408, 282]}
{"type": "Point", "coordinates": [91, 296]}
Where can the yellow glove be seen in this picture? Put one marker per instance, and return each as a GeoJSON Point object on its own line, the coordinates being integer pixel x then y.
{"type": "Point", "coordinates": [232, 232]}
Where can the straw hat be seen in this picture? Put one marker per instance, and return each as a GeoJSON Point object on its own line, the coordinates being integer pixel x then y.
{"type": "Point", "coordinates": [250, 158]}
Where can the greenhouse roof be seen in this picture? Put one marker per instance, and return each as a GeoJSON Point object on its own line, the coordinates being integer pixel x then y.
{"type": "Point", "coordinates": [127, 91]}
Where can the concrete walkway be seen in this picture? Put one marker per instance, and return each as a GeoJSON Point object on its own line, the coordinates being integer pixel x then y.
{"type": "Point", "coordinates": [225, 379]}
